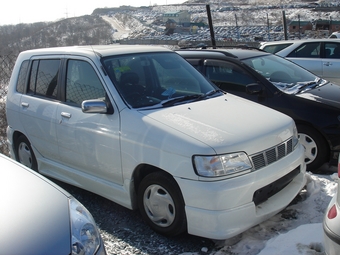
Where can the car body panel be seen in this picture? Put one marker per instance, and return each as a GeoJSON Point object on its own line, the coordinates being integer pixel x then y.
{"type": "Point", "coordinates": [33, 213]}
{"type": "Point", "coordinates": [331, 223]}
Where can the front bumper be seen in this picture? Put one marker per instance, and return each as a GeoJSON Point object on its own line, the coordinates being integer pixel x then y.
{"type": "Point", "coordinates": [223, 209]}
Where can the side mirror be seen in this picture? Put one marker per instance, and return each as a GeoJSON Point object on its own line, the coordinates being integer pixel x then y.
{"type": "Point", "coordinates": [94, 106]}
{"type": "Point", "coordinates": [253, 88]}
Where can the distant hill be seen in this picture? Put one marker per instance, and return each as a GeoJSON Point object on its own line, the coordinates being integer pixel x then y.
{"type": "Point", "coordinates": [89, 29]}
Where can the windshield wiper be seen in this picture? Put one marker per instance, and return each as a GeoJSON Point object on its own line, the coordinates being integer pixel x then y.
{"type": "Point", "coordinates": [195, 97]}
{"type": "Point", "coordinates": [309, 85]}
{"type": "Point", "coordinates": [173, 101]}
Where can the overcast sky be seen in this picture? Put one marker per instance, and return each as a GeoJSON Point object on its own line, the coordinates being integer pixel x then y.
{"type": "Point", "coordinates": [22, 11]}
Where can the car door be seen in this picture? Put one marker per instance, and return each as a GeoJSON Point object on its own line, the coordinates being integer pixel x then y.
{"type": "Point", "coordinates": [308, 55]}
{"type": "Point", "coordinates": [88, 142]}
{"type": "Point", "coordinates": [227, 76]}
{"type": "Point", "coordinates": [331, 62]}
{"type": "Point", "coordinates": [39, 106]}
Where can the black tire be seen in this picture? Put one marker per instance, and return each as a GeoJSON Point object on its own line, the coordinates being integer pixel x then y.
{"type": "Point", "coordinates": [24, 153]}
{"type": "Point", "coordinates": [316, 148]}
{"type": "Point", "coordinates": [161, 204]}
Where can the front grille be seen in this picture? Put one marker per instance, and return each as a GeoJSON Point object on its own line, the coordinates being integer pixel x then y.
{"type": "Point", "coordinates": [264, 158]}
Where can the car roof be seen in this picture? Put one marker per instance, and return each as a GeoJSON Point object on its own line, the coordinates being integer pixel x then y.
{"type": "Point", "coordinates": [299, 41]}
{"type": "Point", "coordinates": [237, 53]}
{"type": "Point", "coordinates": [101, 50]}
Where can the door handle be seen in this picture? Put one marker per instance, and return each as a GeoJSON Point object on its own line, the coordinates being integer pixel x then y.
{"type": "Point", "coordinates": [66, 115]}
{"type": "Point", "coordinates": [25, 105]}
{"type": "Point", "coordinates": [327, 63]}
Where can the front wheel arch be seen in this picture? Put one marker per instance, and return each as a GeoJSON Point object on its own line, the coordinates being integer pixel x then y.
{"type": "Point", "coordinates": [316, 147]}
{"type": "Point", "coordinates": [161, 204]}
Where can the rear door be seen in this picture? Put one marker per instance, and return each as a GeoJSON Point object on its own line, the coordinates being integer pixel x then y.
{"type": "Point", "coordinates": [331, 62]}
{"type": "Point", "coordinates": [39, 106]}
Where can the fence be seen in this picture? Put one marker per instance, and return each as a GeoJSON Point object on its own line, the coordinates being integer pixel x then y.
{"type": "Point", "coordinates": [6, 66]}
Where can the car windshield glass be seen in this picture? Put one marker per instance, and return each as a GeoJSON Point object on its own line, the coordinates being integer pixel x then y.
{"type": "Point", "coordinates": [284, 74]}
{"type": "Point", "coordinates": [152, 79]}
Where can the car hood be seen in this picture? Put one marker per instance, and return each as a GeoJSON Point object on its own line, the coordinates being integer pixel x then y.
{"type": "Point", "coordinates": [327, 94]}
{"type": "Point", "coordinates": [34, 213]}
{"type": "Point", "coordinates": [224, 124]}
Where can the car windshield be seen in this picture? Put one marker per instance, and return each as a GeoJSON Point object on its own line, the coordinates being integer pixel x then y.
{"type": "Point", "coordinates": [284, 74]}
{"type": "Point", "coordinates": [160, 79]}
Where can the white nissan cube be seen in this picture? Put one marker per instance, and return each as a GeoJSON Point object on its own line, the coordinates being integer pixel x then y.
{"type": "Point", "coordinates": [140, 126]}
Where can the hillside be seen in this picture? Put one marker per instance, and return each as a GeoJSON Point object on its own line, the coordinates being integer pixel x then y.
{"type": "Point", "coordinates": [238, 20]}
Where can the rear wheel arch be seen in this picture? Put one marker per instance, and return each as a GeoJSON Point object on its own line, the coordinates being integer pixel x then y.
{"type": "Point", "coordinates": [23, 151]}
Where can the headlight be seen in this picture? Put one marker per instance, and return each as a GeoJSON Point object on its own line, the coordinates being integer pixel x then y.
{"type": "Point", "coordinates": [222, 165]}
{"type": "Point", "coordinates": [85, 236]}
{"type": "Point", "coordinates": [295, 138]}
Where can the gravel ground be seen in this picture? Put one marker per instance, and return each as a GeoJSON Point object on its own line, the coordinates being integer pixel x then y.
{"type": "Point", "coordinates": [125, 233]}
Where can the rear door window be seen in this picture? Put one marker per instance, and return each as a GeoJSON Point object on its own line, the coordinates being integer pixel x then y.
{"type": "Point", "coordinates": [44, 78]}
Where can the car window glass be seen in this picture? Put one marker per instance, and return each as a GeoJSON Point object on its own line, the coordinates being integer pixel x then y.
{"type": "Point", "coordinates": [227, 75]}
{"type": "Point", "coordinates": [176, 78]}
{"type": "Point", "coordinates": [196, 63]}
{"type": "Point", "coordinates": [44, 77]}
{"type": "Point", "coordinates": [147, 79]}
{"type": "Point", "coordinates": [22, 77]}
{"type": "Point", "coordinates": [332, 50]}
{"type": "Point", "coordinates": [275, 48]}
{"type": "Point", "coordinates": [82, 83]}
{"type": "Point", "coordinates": [306, 50]}
{"type": "Point", "coordinates": [282, 73]}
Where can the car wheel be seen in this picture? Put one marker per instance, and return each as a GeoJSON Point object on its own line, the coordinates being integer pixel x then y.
{"type": "Point", "coordinates": [316, 148]}
{"type": "Point", "coordinates": [24, 153]}
{"type": "Point", "coordinates": [161, 204]}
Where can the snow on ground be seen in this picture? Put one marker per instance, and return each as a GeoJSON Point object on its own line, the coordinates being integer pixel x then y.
{"type": "Point", "coordinates": [296, 230]}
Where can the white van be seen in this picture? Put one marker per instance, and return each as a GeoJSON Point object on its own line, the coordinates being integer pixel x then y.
{"type": "Point", "coordinates": [141, 127]}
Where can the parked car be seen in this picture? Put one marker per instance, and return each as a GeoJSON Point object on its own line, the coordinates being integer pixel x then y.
{"type": "Point", "coordinates": [275, 82]}
{"type": "Point", "coordinates": [38, 217]}
{"type": "Point", "coordinates": [335, 35]}
{"type": "Point", "coordinates": [331, 223]}
{"type": "Point", "coordinates": [320, 56]}
{"type": "Point", "coordinates": [141, 127]}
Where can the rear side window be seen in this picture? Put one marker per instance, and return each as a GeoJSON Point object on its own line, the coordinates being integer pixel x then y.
{"type": "Point", "coordinates": [44, 77]}
{"type": "Point", "coordinates": [306, 50]}
{"type": "Point", "coordinates": [276, 48]}
{"type": "Point", "coordinates": [22, 77]}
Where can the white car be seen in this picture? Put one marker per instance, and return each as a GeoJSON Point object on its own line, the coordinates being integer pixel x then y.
{"type": "Point", "coordinates": [335, 35]}
{"type": "Point", "coordinates": [38, 217]}
{"type": "Point", "coordinates": [142, 127]}
{"type": "Point", "coordinates": [331, 223]}
{"type": "Point", "coordinates": [320, 56]}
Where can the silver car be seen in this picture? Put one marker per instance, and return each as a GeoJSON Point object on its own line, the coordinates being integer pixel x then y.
{"type": "Point", "coordinates": [320, 56]}
{"type": "Point", "coordinates": [38, 217]}
{"type": "Point", "coordinates": [331, 223]}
